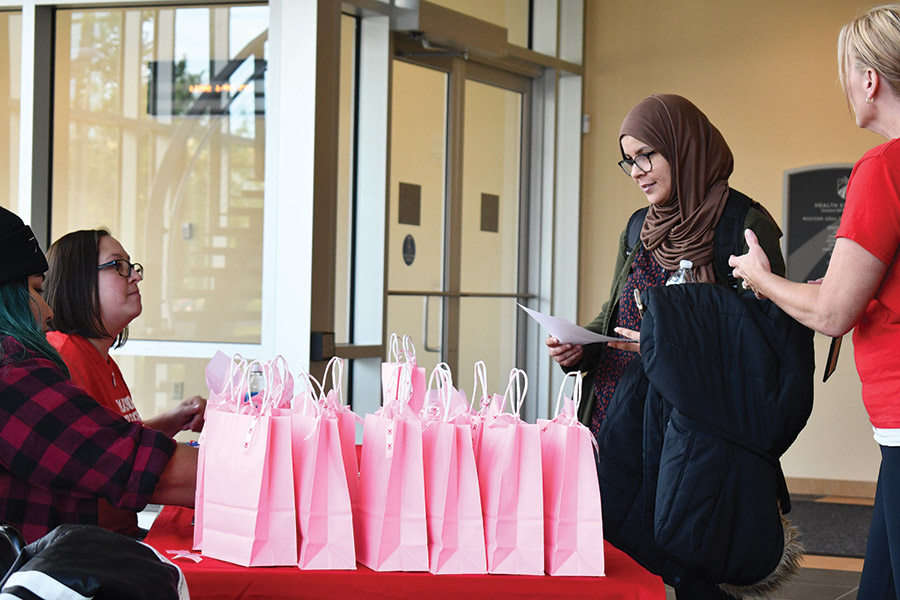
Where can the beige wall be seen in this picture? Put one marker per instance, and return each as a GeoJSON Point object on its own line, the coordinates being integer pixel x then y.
{"type": "Point", "coordinates": [765, 73]}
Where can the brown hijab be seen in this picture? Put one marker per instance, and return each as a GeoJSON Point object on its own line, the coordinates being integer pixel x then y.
{"type": "Point", "coordinates": [701, 163]}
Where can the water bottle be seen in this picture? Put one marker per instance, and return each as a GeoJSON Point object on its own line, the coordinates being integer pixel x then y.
{"type": "Point", "coordinates": [256, 383]}
{"type": "Point", "coordinates": [684, 274]}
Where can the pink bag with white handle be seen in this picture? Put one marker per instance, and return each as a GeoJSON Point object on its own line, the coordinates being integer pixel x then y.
{"type": "Point", "coordinates": [324, 513]}
{"type": "Point", "coordinates": [248, 487]}
{"type": "Point", "coordinates": [509, 474]}
{"type": "Point", "coordinates": [399, 352]}
{"type": "Point", "coordinates": [223, 378]}
{"type": "Point", "coordinates": [573, 523]}
{"type": "Point", "coordinates": [452, 497]}
{"type": "Point", "coordinates": [389, 523]}
{"type": "Point", "coordinates": [346, 420]}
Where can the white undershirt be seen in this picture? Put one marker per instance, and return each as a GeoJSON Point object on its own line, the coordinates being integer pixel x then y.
{"type": "Point", "coordinates": [887, 437]}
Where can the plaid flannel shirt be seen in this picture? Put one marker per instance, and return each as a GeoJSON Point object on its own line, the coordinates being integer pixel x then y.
{"type": "Point", "coordinates": [60, 450]}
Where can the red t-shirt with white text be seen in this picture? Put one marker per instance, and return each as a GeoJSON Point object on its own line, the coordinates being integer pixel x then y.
{"type": "Point", "coordinates": [871, 218]}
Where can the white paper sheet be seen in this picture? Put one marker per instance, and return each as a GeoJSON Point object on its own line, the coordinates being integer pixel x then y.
{"type": "Point", "coordinates": [567, 332]}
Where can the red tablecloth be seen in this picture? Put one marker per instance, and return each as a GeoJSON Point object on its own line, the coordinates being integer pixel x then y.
{"type": "Point", "coordinates": [210, 578]}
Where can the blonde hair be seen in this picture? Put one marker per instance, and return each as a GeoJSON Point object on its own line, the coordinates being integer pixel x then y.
{"type": "Point", "coordinates": [872, 40]}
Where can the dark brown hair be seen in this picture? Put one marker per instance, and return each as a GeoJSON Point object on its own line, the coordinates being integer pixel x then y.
{"type": "Point", "coordinates": [70, 287]}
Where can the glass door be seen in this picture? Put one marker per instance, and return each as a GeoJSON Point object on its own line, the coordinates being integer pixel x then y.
{"type": "Point", "coordinates": [456, 219]}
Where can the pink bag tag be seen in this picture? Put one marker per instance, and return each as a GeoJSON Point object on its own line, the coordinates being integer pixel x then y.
{"type": "Point", "coordinates": [573, 522]}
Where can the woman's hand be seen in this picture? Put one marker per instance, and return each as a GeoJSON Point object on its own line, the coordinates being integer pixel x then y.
{"type": "Point", "coordinates": [627, 346]}
{"type": "Point", "coordinates": [749, 266]}
{"type": "Point", "coordinates": [187, 416]}
{"type": "Point", "coordinates": [567, 355]}
{"type": "Point", "coordinates": [192, 413]}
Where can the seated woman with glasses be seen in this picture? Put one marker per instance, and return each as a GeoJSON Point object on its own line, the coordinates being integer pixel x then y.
{"type": "Point", "coordinates": [92, 287]}
{"type": "Point", "coordinates": [60, 451]}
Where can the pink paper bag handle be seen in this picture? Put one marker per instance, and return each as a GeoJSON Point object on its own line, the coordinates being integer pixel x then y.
{"type": "Point", "coordinates": [520, 379]}
{"type": "Point", "coordinates": [480, 376]}
{"type": "Point", "coordinates": [431, 411]}
{"type": "Point", "coordinates": [576, 394]}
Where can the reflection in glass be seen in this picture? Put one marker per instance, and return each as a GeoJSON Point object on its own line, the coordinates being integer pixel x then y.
{"type": "Point", "coordinates": [10, 62]}
{"type": "Point", "coordinates": [159, 136]}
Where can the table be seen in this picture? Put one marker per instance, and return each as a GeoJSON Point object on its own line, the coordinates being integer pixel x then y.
{"type": "Point", "coordinates": [211, 578]}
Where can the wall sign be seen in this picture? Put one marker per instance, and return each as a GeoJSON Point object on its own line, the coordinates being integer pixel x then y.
{"type": "Point", "coordinates": [813, 203]}
{"type": "Point", "coordinates": [409, 250]}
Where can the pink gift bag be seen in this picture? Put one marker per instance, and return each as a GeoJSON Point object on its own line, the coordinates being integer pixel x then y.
{"type": "Point", "coordinates": [324, 513]}
{"type": "Point", "coordinates": [223, 378]}
{"type": "Point", "coordinates": [389, 521]}
{"type": "Point", "coordinates": [248, 488]}
{"type": "Point", "coordinates": [398, 355]}
{"type": "Point", "coordinates": [346, 424]}
{"type": "Point", "coordinates": [573, 523]}
{"type": "Point", "coordinates": [509, 474]}
{"type": "Point", "coordinates": [452, 497]}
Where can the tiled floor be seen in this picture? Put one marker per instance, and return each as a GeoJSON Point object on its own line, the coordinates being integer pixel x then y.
{"type": "Point", "coordinates": [821, 577]}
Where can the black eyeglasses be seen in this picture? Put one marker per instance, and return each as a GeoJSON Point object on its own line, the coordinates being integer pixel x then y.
{"type": "Point", "coordinates": [641, 160]}
{"type": "Point", "coordinates": [123, 267]}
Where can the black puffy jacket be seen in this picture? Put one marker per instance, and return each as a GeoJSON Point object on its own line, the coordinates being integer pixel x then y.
{"type": "Point", "coordinates": [689, 451]}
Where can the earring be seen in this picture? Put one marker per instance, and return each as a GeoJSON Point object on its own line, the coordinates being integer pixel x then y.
{"type": "Point", "coordinates": [870, 100]}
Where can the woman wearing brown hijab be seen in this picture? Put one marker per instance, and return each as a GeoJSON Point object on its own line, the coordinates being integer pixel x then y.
{"type": "Point", "coordinates": [681, 163]}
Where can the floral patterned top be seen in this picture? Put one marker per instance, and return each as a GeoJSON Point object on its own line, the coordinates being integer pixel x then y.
{"type": "Point", "coordinates": [645, 274]}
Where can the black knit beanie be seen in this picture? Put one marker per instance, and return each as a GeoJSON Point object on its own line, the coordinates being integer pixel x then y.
{"type": "Point", "coordinates": [20, 254]}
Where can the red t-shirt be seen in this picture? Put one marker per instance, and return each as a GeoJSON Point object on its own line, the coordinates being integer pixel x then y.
{"type": "Point", "coordinates": [100, 377]}
{"type": "Point", "coordinates": [871, 218]}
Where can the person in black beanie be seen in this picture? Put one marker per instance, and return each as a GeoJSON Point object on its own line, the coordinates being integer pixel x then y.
{"type": "Point", "coordinates": [60, 450]}
{"type": "Point", "coordinates": [22, 256]}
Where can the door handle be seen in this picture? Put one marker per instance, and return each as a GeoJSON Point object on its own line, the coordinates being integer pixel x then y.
{"type": "Point", "coordinates": [425, 345]}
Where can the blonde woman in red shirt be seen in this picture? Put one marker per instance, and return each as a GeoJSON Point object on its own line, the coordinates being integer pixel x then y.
{"type": "Point", "coordinates": [861, 288]}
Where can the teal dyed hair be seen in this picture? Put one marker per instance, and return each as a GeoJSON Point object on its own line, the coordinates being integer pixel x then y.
{"type": "Point", "coordinates": [17, 321]}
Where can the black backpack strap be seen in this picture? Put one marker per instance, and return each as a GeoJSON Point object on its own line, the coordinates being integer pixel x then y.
{"type": "Point", "coordinates": [634, 228]}
{"type": "Point", "coordinates": [729, 236]}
